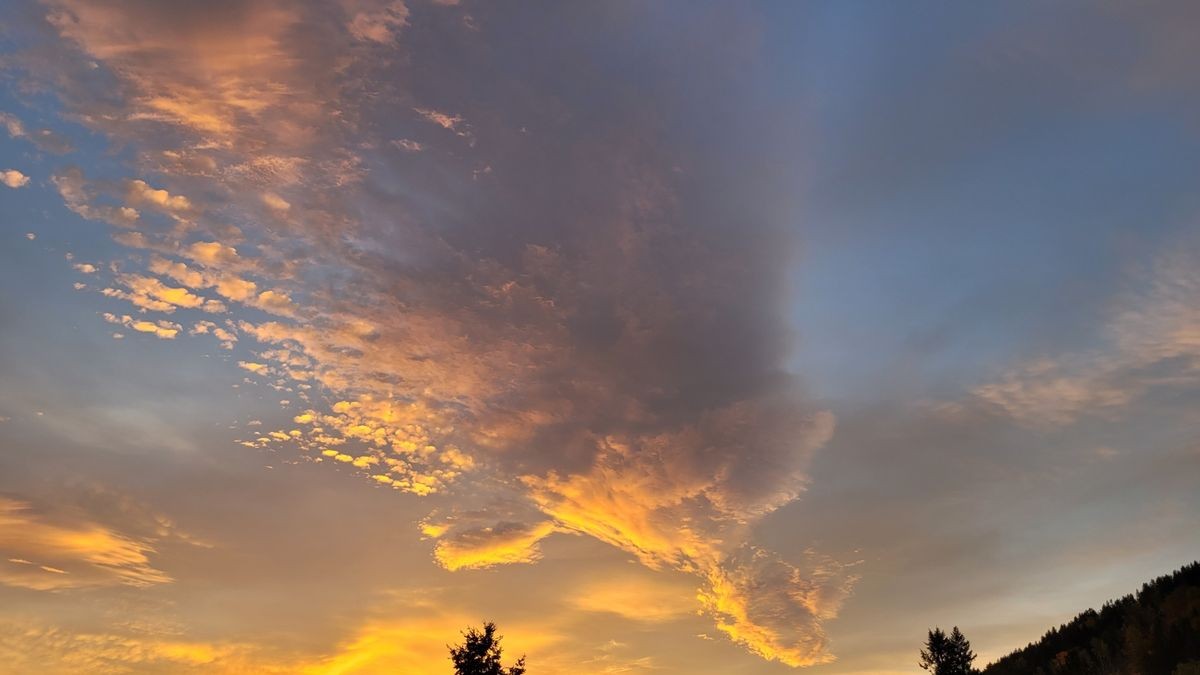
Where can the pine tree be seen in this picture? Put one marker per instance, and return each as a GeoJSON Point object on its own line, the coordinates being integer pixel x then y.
{"type": "Point", "coordinates": [480, 654]}
{"type": "Point", "coordinates": [947, 654]}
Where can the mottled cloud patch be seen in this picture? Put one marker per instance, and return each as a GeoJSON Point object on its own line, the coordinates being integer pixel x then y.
{"type": "Point", "coordinates": [376, 20]}
{"type": "Point", "coordinates": [220, 70]}
{"type": "Point", "coordinates": [152, 294]}
{"type": "Point", "coordinates": [775, 608]}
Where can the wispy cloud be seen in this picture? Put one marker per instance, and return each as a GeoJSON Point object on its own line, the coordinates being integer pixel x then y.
{"type": "Point", "coordinates": [49, 554]}
{"type": "Point", "coordinates": [1151, 341]}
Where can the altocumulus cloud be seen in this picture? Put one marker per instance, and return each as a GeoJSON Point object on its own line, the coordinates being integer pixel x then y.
{"type": "Point", "coordinates": [550, 312]}
{"type": "Point", "coordinates": [13, 178]}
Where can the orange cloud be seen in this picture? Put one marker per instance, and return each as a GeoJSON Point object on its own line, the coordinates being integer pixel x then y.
{"type": "Point", "coordinates": [13, 178]}
{"type": "Point", "coordinates": [212, 253]}
{"type": "Point", "coordinates": [152, 294]}
{"type": "Point", "coordinates": [140, 192]}
{"type": "Point", "coordinates": [188, 71]}
{"type": "Point", "coordinates": [50, 555]}
{"type": "Point", "coordinates": [502, 544]}
{"type": "Point", "coordinates": [164, 330]}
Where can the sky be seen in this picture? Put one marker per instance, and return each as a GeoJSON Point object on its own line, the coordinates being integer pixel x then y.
{"type": "Point", "coordinates": [730, 338]}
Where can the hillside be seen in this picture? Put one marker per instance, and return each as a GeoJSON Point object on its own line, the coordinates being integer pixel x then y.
{"type": "Point", "coordinates": [1156, 631]}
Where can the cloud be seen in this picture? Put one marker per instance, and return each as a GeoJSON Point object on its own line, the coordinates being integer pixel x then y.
{"type": "Point", "coordinates": [1151, 341]}
{"type": "Point", "coordinates": [443, 120]}
{"type": "Point", "coordinates": [1048, 394]}
{"type": "Point", "coordinates": [44, 139]}
{"type": "Point", "coordinates": [212, 256]}
{"type": "Point", "coordinates": [13, 178]}
{"type": "Point", "coordinates": [78, 194]}
{"type": "Point", "coordinates": [501, 544]}
{"type": "Point", "coordinates": [594, 335]}
{"type": "Point", "coordinates": [376, 20]}
{"type": "Point", "coordinates": [164, 330]}
{"type": "Point", "coordinates": [48, 554]}
{"type": "Point", "coordinates": [255, 368]}
{"type": "Point", "coordinates": [212, 253]}
{"type": "Point", "coordinates": [14, 126]}
{"type": "Point", "coordinates": [407, 145]}
{"type": "Point", "coordinates": [151, 294]}
{"type": "Point", "coordinates": [276, 202]}
{"type": "Point", "coordinates": [178, 271]}
{"type": "Point", "coordinates": [274, 302]}
{"type": "Point", "coordinates": [140, 192]}
{"type": "Point", "coordinates": [775, 608]}
{"type": "Point", "coordinates": [223, 66]}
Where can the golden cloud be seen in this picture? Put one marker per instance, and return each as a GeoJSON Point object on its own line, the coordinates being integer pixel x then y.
{"type": "Point", "coordinates": [46, 554]}
{"type": "Point", "coordinates": [501, 544]}
{"type": "Point", "coordinates": [164, 330]}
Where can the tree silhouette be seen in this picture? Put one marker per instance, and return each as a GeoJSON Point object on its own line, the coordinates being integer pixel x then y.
{"type": "Point", "coordinates": [947, 654]}
{"type": "Point", "coordinates": [480, 654]}
{"type": "Point", "coordinates": [1152, 631]}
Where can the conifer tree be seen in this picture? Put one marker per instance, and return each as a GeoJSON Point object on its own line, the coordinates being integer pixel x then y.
{"type": "Point", "coordinates": [480, 654]}
{"type": "Point", "coordinates": [947, 654]}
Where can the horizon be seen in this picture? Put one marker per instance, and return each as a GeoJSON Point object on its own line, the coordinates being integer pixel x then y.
{"type": "Point", "coordinates": [737, 338]}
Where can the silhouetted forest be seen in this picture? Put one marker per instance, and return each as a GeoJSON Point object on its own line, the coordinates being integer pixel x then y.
{"type": "Point", "coordinates": [1156, 632]}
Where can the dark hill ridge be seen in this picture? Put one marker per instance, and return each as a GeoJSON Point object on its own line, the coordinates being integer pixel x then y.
{"type": "Point", "coordinates": [1156, 632]}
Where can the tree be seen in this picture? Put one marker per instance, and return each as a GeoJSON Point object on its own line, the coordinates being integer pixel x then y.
{"type": "Point", "coordinates": [480, 654]}
{"type": "Point", "coordinates": [947, 654]}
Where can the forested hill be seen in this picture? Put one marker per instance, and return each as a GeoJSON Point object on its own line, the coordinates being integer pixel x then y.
{"type": "Point", "coordinates": [1155, 632]}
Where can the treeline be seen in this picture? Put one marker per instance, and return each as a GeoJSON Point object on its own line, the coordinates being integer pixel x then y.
{"type": "Point", "coordinates": [1155, 632]}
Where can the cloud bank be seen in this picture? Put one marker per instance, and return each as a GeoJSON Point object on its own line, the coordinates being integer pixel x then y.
{"type": "Point", "coordinates": [554, 308]}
